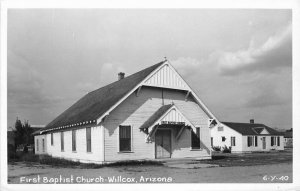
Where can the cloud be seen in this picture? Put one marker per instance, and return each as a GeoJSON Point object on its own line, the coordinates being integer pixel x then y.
{"type": "Point", "coordinates": [275, 52]}
{"type": "Point", "coordinates": [186, 65]}
{"type": "Point", "coordinates": [109, 72]}
{"type": "Point", "coordinates": [26, 85]}
{"type": "Point", "coordinates": [267, 97]}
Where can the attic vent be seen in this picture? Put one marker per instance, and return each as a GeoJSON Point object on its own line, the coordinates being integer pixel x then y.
{"type": "Point", "coordinates": [121, 75]}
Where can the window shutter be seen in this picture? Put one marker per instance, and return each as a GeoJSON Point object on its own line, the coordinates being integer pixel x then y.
{"type": "Point", "coordinates": [272, 141]}
{"type": "Point", "coordinates": [278, 141]}
{"type": "Point", "coordinates": [249, 141]}
{"type": "Point", "coordinates": [256, 141]}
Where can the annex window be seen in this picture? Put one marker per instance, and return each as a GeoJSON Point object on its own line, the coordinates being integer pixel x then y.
{"type": "Point", "coordinates": [43, 144]}
{"type": "Point", "coordinates": [88, 140]}
{"type": "Point", "coordinates": [125, 138]}
{"type": "Point", "coordinates": [212, 141]}
{"type": "Point", "coordinates": [62, 144]}
{"type": "Point", "coordinates": [249, 140]}
{"type": "Point", "coordinates": [252, 141]}
{"type": "Point", "coordinates": [51, 138]}
{"type": "Point", "coordinates": [255, 141]}
{"type": "Point", "coordinates": [278, 141]}
{"type": "Point", "coordinates": [232, 141]}
{"type": "Point", "coordinates": [73, 140]}
{"type": "Point", "coordinates": [223, 139]}
{"type": "Point", "coordinates": [195, 138]}
{"type": "Point", "coordinates": [37, 144]}
{"type": "Point", "coordinates": [273, 141]}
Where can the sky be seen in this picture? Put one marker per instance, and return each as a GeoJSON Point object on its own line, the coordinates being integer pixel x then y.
{"type": "Point", "coordinates": [238, 61]}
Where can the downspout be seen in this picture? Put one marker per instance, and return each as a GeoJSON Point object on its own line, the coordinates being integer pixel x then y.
{"type": "Point", "coordinates": [103, 142]}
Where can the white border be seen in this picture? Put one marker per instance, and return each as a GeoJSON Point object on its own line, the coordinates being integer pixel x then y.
{"type": "Point", "coordinates": [269, 4]}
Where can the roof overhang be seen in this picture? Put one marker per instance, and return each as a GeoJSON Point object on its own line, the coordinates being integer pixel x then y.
{"type": "Point", "coordinates": [171, 116]}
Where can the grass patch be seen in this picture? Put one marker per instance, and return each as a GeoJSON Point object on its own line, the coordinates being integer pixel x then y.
{"type": "Point", "coordinates": [121, 163]}
{"type": "Point", "coordinates": [60, 162]}
{"type": "Point", "coordinates": [250, 159]}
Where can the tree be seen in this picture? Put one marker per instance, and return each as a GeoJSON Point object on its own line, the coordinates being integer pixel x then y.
{"type": "Point", "coordinates": [23, 134]}
{"type": "Point", "coordinates": [19, 133]}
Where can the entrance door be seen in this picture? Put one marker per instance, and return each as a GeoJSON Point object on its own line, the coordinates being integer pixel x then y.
{"type": "Point", "coordinates": [264, 142]}
{"type": "Point", "coordinates": [163, 144]}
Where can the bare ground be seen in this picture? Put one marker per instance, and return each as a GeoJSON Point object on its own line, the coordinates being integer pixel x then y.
{"type": "Point", "coordinates": [235, 168]}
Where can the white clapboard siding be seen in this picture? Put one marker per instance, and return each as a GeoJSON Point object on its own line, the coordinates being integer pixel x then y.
{"type": "Point", "coordinates": [135, 110]}
{"type": "Point", "coordinates": [174, 116]}
{"type": "Point", "coordinates": [166, 77]}
{"type": "Point", "coordinates": [81, 154]}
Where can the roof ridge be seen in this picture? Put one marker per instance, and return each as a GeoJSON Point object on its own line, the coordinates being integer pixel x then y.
{"type": "Point", "coordinates": [118, 81]}
{"type": "Point", "coordinates": [99, 101]}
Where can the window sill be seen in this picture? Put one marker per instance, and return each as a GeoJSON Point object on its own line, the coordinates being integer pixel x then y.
{"type": "Point", "coordinates": [62, 151]}
{"type": "Point", "coordinates": [89, 152]}
{"type": "Point", "coordinates": [74, 151]}
{"type": "Point", "coordinates": [120, 152]}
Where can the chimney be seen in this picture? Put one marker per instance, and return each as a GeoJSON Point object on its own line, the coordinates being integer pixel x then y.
{"type": "Point", "coordinates": [252, 121]}
{"type": "Point", "coordinates": [121, 75]}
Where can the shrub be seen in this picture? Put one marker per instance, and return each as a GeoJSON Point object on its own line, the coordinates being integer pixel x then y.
{"type": "Point", "coordinates": [11, 153]}
{"type": "Point", "coordinates": [29, 157]}
{"type": "Point", "coordinates": [226, 149]}
{"type": "Point", "coordinates": [216, 148]}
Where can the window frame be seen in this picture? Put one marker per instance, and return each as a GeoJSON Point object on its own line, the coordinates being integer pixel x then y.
{"type": "Point", "coordinates": [74, 143]}
{"type": "Point", "coordinates": [52, 139]}
{"type": "Point", "coordinates": [43, 145]}
{"type": "Point", "coordinates": [198, 134]}
{"type": "Point", "coordinates": [222, 138]}
{"type": "Point", "coordinates": [255, 141]}
{"type": "Point", "coordinates": [232, 141]}
{"type": "Point", "coordinates": [88, 137]}
{"type": "Point", "coordinates": [37, 144]}
{"type": "Point", "coordinates": [62, 141]}
{"type": "Point", "coordinates": [252, 141]}
{"type": "Point", "coordinates": [249, 141]}
{"type": "Point", "coordinates": [125, 139]}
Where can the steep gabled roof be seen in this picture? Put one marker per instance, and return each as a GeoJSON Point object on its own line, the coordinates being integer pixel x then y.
{"type": "Point", "coordinates": [96, 103]}
{"type": "Point", "coordinates": [250, 128]}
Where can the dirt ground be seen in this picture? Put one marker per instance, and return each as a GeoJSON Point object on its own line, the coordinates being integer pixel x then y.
{"type": "Point", "coordinates": [234, 168]}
